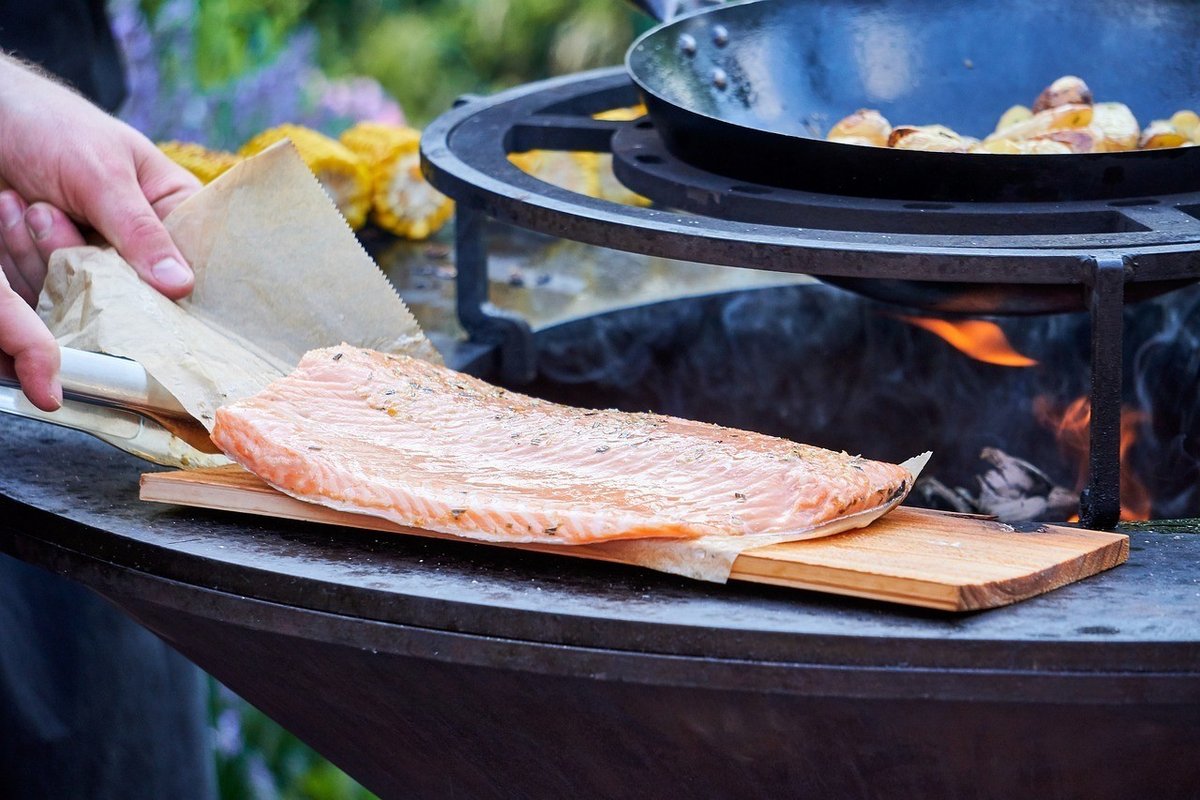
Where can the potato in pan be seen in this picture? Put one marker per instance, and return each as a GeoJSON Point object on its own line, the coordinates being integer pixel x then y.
{"type": "Point", "coordinates": [1063, 119]}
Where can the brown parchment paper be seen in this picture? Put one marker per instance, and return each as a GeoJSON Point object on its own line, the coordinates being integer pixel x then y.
{"type": "Point", "coordinates": [278, 272]}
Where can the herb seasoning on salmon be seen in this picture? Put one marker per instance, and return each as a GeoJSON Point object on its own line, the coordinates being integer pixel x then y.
{"type": "Point", "coordinates": [425, 446]}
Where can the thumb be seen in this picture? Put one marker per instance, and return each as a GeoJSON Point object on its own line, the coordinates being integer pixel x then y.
{"type": "Point", "coordinates": [126, 219]}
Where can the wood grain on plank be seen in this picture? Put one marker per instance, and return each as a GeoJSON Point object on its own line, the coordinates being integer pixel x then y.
{"type": "Point", "coordinates": [911, 556]}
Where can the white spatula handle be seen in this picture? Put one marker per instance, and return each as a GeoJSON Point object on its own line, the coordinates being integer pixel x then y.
{"type": "Point", "coordinates": [97, 378]}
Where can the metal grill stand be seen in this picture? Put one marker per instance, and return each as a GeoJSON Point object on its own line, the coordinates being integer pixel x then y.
{"type": "Point", "coordinates": [1100, 501]}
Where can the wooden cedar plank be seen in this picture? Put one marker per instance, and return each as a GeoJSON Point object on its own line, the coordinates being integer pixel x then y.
{"type": "Point", "coordinates": [912, 556]}
{"type": "Point", "coordinates": [944, 561]}
{"type": "Point", "coordinates": [946, 592]}
{"type": "Point", "coordinates": [973, 551]}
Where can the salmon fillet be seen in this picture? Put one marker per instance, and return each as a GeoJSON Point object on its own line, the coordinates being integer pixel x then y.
{"type": "Point", "coordinates": [425, 446]}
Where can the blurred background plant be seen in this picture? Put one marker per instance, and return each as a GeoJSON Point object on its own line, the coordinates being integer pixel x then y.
{"type": "Point", "coordinates": [216, 72]}
{"type": "Point", "coordinates": [258, 760]}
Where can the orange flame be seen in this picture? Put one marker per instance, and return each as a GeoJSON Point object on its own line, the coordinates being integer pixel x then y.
{"type": "Point", "coordinates": [982, 341]}
{"type": "Point", "coordinates": [1071, 427]}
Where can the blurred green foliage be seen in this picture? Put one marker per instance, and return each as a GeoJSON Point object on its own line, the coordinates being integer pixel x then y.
{"type": "Point", "coordinates": [234, 35]}
{"type": "Point", "coordinates": [427, 52]}
{"type": "Point", "coordinates": [258, 760]}
{"type": "Point", "coordinates": [424, 52]}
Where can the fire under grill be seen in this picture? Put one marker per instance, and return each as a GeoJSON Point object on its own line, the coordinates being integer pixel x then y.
{"type": "Point", "coordinates": [949, 259]}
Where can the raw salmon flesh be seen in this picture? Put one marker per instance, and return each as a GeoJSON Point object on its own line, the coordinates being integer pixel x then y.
{"type": "Point", "coordinates": [424, 446]}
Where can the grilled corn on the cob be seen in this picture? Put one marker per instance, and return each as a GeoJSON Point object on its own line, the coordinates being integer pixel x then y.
{"type": "Point", "coordinates": [583, 173]}
{"type": "Point", "coordinates": [610, 188]}
{"type": "Point", "coordinates": [575, 172]}
{"type": "Point", "coordinates": [402, 201]}
{"type": "Point", "coordinates": [197, 159]}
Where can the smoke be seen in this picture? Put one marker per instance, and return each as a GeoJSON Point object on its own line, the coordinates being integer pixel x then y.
{"type": "Point", "coordinates": [821, 365]}
{"type": "Point", "coordinates": [1166, 382]}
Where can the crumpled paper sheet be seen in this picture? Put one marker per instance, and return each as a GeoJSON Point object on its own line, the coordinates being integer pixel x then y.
{"type": "Point", "coordinates": [278, 272]}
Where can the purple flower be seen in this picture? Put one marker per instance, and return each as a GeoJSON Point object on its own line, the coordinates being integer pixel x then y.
{"type": "Point", "coordinates": [166, 100]}
{"type": "Point", "coordinates": [357, 99]}
{"type": "Point", "coordinates": [228, 733]}
{"type": "Point", "coordinates": [134, 39]}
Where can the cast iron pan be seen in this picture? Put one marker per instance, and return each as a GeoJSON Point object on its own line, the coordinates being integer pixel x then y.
{"type": "Point", "coordinates": [749, 90]}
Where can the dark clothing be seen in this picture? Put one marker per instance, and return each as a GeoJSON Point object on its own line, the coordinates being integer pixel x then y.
{"type": "Point", "coordinates": [92, 705]}
{"type": "Point", "coordinates": [72, 39]}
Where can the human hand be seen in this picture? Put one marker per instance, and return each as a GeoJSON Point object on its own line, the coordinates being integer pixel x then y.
{"type": "Point", "coordinates": [66, 162]}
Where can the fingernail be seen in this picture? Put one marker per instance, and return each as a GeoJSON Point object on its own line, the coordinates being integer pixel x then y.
{"type": "Point", "coordinates": [39, 222]}
{"type": "Point", "coordinates": [56, 393]}
{"type": "Point", "coordinates": [10, 212]}
{"type": "Point", "coordinates": [170, 273]}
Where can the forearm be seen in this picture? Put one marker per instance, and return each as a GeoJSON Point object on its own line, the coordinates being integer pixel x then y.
{"type": "Point", "coordinates": [17, 80]}
{"type": "Point", "coordinates": [18, 73]}
{"type": "Point", "coordinates": [7, 75]}
{"type": "Point", "coordinates": [26, 92]}
{"type": "Point", "coordinates": [12, 78]}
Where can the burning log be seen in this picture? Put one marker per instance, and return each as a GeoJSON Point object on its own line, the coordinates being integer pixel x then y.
{"type": "Point", "coordinates": [1017, 491]}
{"type": "Point", "coordinates": [1013, 490]}
{"type": "Point", "coordinates": [936, 494]}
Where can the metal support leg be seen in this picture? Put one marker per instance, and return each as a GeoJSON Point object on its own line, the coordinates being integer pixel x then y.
{"type": "Point", "coordinates": [483, 321]}
{"type": "Point", "coordinates": [1100, 502]}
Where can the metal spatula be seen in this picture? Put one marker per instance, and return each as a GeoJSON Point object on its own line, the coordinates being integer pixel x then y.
{"type": "Point", "coordinates": [115, 400]}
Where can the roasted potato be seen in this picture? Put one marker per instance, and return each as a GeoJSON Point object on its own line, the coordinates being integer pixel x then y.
{"type": "Point", "coordinates": [1067, 90]}
{"type": "Point", "coordinates": [1012, 117]}
{"type": "Point", "coordinates": [865, 126]}
{"type": "Point", "coordinates": [1187, 123]}
{"type": "Point", "coordinates": [1064, 119]}
{"type": "Point", "coordinates": [1059, 118]}
{"type": "Point", "coordinates": [1022, 147]}
{"type": "Point", "coordinates": [1118, 128]}
{"type": "Point", "coordinates": [1080, 140]}
{"type": "Point", "coordinates": [934, 138]}
{"type": "Point", "coordinates": [1161, 133]}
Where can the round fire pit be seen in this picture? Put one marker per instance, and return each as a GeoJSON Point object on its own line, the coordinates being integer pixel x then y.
{"type": "Point", "coordinates": [435, 669]}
